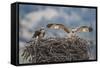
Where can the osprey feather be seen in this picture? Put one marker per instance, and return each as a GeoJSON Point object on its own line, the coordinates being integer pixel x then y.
{"type": "Point", "coordinates": [71, 32]}
{"type": "Point", "coordinates": [39, 33]}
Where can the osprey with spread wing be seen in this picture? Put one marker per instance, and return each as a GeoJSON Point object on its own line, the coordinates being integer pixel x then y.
{"type": "Point", "coordinates": [72, 32]}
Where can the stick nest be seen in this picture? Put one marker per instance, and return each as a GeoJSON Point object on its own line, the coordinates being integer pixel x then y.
{"type": "Point", "coordinates": [56, 50]}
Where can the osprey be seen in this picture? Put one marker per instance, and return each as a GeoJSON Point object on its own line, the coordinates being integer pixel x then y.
{"type": "Point", "coordinates": [39, 34]}
{"type": "Point", "coordinates": [71, 32]}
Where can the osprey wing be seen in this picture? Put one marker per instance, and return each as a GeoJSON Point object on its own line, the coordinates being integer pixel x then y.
{"type": "Point", "coordinates": [58, 26]}
{"type": "Point", "coordinates": [84, 29]}
{"type": "Point", "coordinates": [37, 33]}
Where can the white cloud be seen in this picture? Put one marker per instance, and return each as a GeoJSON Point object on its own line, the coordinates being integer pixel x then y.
{"type": "Point", "coordinates": [21, 44]}
{"type": "Point", "coordinates": [26, 34]}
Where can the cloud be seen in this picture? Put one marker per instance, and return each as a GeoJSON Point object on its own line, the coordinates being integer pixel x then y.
{"type": "Point", "coordinates": [21, 44]}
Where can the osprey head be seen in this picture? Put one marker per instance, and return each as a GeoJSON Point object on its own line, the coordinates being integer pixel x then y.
{"type": "Point", "coordinates": [42, 29]}
{"type": "Point", "coordinates": [73, 30]}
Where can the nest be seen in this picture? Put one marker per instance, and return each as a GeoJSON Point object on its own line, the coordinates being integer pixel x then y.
{"type": "Point", "coordinates": [56, 50]}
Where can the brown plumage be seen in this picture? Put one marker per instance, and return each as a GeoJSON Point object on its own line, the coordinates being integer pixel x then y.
{"type": "Point", "coordinates": [39, 34]}
{"type": "Point", "coordinates": [72, 32]}
{"type": "Point", "coordinates": [61, 26]}
{"type": "Point", "coordinates": [84, 29]}
{"type": "Point", "coordinates": [58, 26]}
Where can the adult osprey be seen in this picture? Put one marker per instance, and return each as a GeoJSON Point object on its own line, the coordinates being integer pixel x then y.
{"type": "Point", "coordinates": [72, 32]}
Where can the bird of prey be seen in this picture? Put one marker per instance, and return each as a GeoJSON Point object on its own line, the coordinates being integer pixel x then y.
{"type": "Point", "coordinates": [71, 32]}
{"type": "Point", "coordinates": [39, 34]}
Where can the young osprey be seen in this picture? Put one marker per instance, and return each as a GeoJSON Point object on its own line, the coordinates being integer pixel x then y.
{"type": "Point", "coordinates": [39, 34]}
{"type": "Point", "coordinates": [72, 32]}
